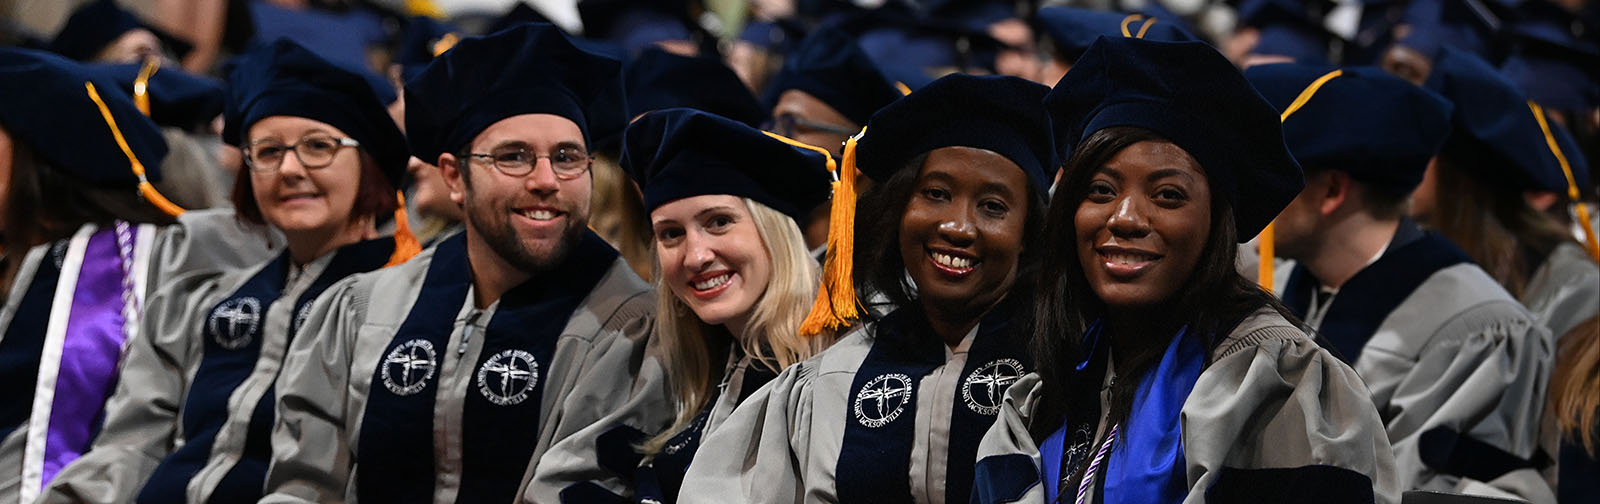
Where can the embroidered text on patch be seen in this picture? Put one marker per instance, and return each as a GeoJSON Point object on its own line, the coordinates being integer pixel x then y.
{"type": "Point", "coordinates": [407, 368]}
{"type": "Point", "coordinates": [234, 322]}
{"type": "Point", "coordinates": [508, 377]}
{"type": "Point", "coordinates": [990, 381]}
{"type": "Point", "coordinates": [881, 400]}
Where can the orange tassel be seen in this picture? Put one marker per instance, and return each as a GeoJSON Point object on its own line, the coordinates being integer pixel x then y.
{"type": "Point", "coordinates": [836, 304]}
{"type": "Point", "coordinates": [148, 191]}
{"type": "Point", "coordinates": [1589, 241]}
{"type": "Point", "coordinates": [406, 245]}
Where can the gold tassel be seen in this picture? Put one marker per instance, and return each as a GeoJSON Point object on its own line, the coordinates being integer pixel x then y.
{"type": "Point", "coordinates": [406, 245]}
{"type": "Point", "coordinates": [1572, 184]}
{"type": "Point", "coordinates": [1264, 242]}
{"type": "Point", "coordinates": [141, 84]}
{"type": "Point", "coordinates": [836, 304]}
{"type": "Point", "coordinates": [148, 191]}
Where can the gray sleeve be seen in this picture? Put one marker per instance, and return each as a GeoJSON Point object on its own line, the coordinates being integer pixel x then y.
{"type": "Point", "coordinates": [1483, 378]}
{"type": "Point", "coordinates": [312, 456]}
{"type": "Point", "coordinates": [620, 385]}
{"type": "Point", "coordinates": [760, 453]}
{"type": "Point", "coordinates": [209, 241]}
{"type": "Point", "coordinates": [1280, 401]}
{"type": "Point", "coordinates": [142, 416]}
{"type": "Point", "coordinates": [1009, 464]}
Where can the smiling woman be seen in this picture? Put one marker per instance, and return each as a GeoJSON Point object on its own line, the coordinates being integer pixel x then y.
{"type": "Point", "coordinates": [191, 416]}
{"type": "Point", "coordinates": [1164, 375]}
{"type": "Point", "coordinates": [894, 410]}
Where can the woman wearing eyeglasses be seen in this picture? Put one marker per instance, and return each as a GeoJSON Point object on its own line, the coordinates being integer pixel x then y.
{"type": "Point", "coordinates": [191, 417]}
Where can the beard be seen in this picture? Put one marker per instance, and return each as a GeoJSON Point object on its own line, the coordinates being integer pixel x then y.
{"type": "Point", "coordinates": [493, 223]}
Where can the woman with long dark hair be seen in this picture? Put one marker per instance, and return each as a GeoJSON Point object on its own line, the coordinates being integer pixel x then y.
{"type": "Point", "coordinates": [893, 411]}
{"type": "Point", "coordinates": [78, 243]}
{"type": "Point", "coordinates": [1164, 375]}
{"type": "Point", "coordinates": [191, 418]}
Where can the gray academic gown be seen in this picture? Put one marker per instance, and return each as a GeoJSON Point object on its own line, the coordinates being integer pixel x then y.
{"type": "Point", "coordinates": [199, 245]}
{"type": "Point", "coordinates": [784, 443]}
{"type": "Point", "coordinates": [1565, 290]}
{"type": "Point", "coordinates": [598, 379]}
{"type": "Point", "coordinates": [1271, 399]}
{"type": "Point", "coordinates": [1457, 367]}
{"type": "Point", "coordinates": [146, 418]}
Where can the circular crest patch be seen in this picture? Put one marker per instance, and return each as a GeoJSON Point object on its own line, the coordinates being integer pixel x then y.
{"type": "Point", "coordinates": [986, 386]}
{"type": "Point", "coordinates": [882, 399]}
{"type": "Point", "coordinates": [407, 368]}
{"type": "Point", "coordinates": [508, 377]}
{"type": "Point", "coordinates": [233, 323]}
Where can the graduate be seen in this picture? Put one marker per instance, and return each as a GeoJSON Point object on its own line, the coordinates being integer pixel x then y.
{"type": "Point", "coordinates": [1419, 320]}
{"type": "Point", "coordinates": [1164, 376]}
{"type": "Point", "coordinates": [1503, 147]}
{"type": "Point", "coordinates": [1068, 31]}
{"type": "Point", "coordinates": [81, 247]}
{"type": "Point", "coordinates": [191, 418]}
{"type": "Point", "coordinates": [484, 369]}
{"type": "Point", "coordinates": [893, 412]}
{"type": "Point", "coordinates": [101, 31]}
{"type": "Point", "coordinates": [735, 277]}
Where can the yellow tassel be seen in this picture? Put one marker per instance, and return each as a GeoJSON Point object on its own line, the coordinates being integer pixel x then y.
{"type": "Point", "coordinates": [902, 88]}
{"type": "Point", "coordinates": [836, 304]}
{"type": "Point", "coordinates": [406, 245]}
{"type": "Point", "coordinates": [1265, 244]}
{"type": "Point", "coordinates": [1572, 184]}
{"type": "Point", "coordinates": [148, 191]}
{"type": "Point", "coordinates": [141, 84]}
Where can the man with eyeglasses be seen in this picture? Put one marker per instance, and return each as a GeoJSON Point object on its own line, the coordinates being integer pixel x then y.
{"type": "Point", "coordinates": [507, 363]}
{"type": "Point", "coordinates": [828, 89]}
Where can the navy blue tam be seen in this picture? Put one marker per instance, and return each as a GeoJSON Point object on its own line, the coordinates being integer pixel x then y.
{"type": "Point", "coordinates": [829, 65]}
{"type": "Point", "coordinates": [659, 80]}
{"type": "Point", "coordinates": [679, 153]}
{"type": "Point", "coordinates": [1071, 29]}
{"type": "Point", "coordinates": [49, 109]}
{"type": "Point", "coordinates": [1192, 96]}
{"type": "Point", "coordinates": [532, 68]}
{"type": "Point", "coordinates": [1379, 128]}
{"type": "Point", "coordinates": [995, 113]}
{"type": "Point", "coordinates": [177, 99]}
{"type": "Point", "coordinates": [99, 23]}
{"type": "Point", "coordinates": [1496, 134]}
{"type": "Point", "coordinates": [285, 79]}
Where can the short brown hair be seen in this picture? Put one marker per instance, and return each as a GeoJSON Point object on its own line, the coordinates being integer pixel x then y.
{"type": "Point", "coordinates": [375, 196]}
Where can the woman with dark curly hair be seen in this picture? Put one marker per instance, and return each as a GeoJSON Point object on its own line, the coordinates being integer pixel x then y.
{"type": "Point", "coordinates": [893, 412]}
{"type": "Point", "coordinates": [1164, 375]}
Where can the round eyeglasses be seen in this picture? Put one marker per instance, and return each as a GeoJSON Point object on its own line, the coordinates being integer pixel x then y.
{"type": "Point", "coordinates": [265, 156]}
{"type": "Point", "coordinates": [567, 162]}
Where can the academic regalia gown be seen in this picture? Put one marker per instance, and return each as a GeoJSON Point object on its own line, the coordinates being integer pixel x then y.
{"type": "Point", "coordinates": [659, 479]}
{"type": "Point", "coordinates": [1564, 290]}
{"type": "Point", "coordinates": [400, 389]}
{"type": "Point", "coordinates": [1458, 368]}
{"type": "Point", "coordinates": [1273, 416]}
{"type": "Point", "coordinates": [43, 347]}
{"type": "Point", "coordinates": [193, 412]}
{"type": "Point", "coordinates": [887, 414]}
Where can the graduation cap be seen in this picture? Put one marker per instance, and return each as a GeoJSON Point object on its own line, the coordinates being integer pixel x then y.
{"type": "Point", "coordinates": [80, 124]}
{"type": "Point", "coordinates": [1496, 132]}
{"type": "Point", "coordinates": [830, 66]}
{"type": "Point", "coordinates": [1192, 96]}
{"type": "Point", "coordinates": [99, 23]}
{"type": "Point", "coordinates": [659, 80]}
{"type": "Point", "coordinates": [635, 24]}
{"type": "Point", "coordinates": [170, 96]}
{"type": "Point", "coordinates": [679, 153]}
{"type": "Point", "coordinates": [1379, 128]}
{"type": "Point", "coordinates": [519, 13]}
{"type": "Point", "coordinates": [914, 51]}
{"type": "Point", "coordinates": [1071, 30]}
{"type": "Point", "coordinates": [423, 39]}
{"type": "Point", "coordinates": [1472, 26]}
{"type": "Point", "coordinates": [996, 113]}
{"type": "Point", "coordinates": [528, 69]}
{"type": "Point", "coordinates": [1287, 28]}
{"type": "Point", "coordinates": [1553, 62]}
{"type": "Point", "coordinates": [285, 79]}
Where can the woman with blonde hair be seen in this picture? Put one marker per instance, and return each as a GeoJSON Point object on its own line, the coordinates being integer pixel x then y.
{"type": "Point", "coordinates": [732, 269]}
